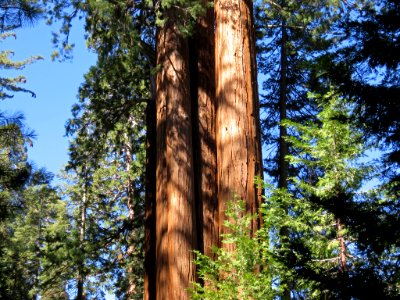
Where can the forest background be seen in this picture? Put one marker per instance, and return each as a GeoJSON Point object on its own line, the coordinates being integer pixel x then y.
{"type": "Point", "coordinates": [328, 96]}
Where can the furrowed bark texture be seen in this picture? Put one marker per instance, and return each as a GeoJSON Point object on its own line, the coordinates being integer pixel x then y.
{"type": "Point", "coordinates": [237, 118]}
{"type": "Point", "coordinates": [175, 215]}
{"type": "Point", "coordinates": [202, 76]}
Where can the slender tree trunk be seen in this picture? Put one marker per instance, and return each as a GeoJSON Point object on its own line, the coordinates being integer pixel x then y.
{"type": "Point", "coordinates": [131, 289]}
{"type": "Point", "coordinates": [175, 215]}
{"type": "Point", "coordinates": [283, 164]}
{"type": "Point", "coordinates": [202, 78]}
{"type": "Point", "coordinates": [343, 274]}
{"type": "Point", "coordinates": [339, 224]}
{"type": "Point", "coordinates": [81, 276]}
{"type": "Point", "coordinates": [150, 197]}
{"type": "Point", "coordinates": [283, 147]}
{"type": "Point", "coordinates": [342, 247]}
{"type": "Point", "coordinates": [39, 244]}
{"type": "Point", "coordinates": [237, 125]}
{"type": "Point", "coordinates": [343, 271]}
{"type": "Point", "coordinates": [129, 184]}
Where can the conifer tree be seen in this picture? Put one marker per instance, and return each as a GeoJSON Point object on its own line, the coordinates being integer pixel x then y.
{"type": "Point", "coordinates": [16, 13]}
{"type": "Point", "coordinates": [13, 14]}
{"type": "Point", "coordinates": [366, 67]}
{"type": "Point", "coordinates": [114, 152]}
{"type": "Point", "coordinates": [329, 258]}
{"type": "Point", "coordinates": [322, 253]}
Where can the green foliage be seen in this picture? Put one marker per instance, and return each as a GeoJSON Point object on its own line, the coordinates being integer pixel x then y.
{"type": "Point", "coordinates": [239, 274]}
{"type": "Point", "coordinates": [9, 85]}
{"type": "Point", "coordinates": [15, 13]}
{"type": "Point", "coordinates": [365, 67]}
{"type": "Point", "coordinates": [299, 245]}
{"type": "Point", "coordinates": [307, 252]}
{"type": "Point", "coordinates": [14, 169]}
{"type": "Point", "coordinates": [36, 218]}
{"type": "Point", "coordinates": [291, 34]}
{"type": "Point", "coordinates": [332, 145]}
{"type": "Point", "coordinates": [185, 13]}
{"type": "Point", "coordinates": [110, 250]}
{"type": "Point", "coordinates": [337, 207]}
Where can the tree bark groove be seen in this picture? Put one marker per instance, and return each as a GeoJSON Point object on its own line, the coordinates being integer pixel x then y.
{"type": "Point", "coordinates": [202, 76]}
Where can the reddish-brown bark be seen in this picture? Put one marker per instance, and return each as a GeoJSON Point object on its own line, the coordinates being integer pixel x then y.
{"type": "Point", "coordinates": [237, 118]}
{"type": "Point", "coordinates": [226, 147]}
{"type": "Point", "coordinates": [175, 214]}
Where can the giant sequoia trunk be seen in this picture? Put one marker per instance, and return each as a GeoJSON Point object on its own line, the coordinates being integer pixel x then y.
{"type": "Point", "coordinates": [238, 132]}
{"type": "Point", "coordinates": [223, 116]}
{"type": "Point", "coordinates": [175, 215]}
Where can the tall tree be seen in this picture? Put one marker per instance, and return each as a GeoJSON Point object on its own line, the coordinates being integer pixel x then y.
{"type": "Point", "coordinates": [237, 117]}
{"type": "Point", "coordinates": [15, 172]}
{"type": "Point", "coordinates": [292, 33]}
{"type": "Point", "coordinates": [333, 258]}
{"type": "Point", "coordinates": [114, 152]}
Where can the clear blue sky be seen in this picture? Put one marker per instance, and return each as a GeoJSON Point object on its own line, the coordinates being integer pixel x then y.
{"type": "Point", "coordinates": [56, 86]}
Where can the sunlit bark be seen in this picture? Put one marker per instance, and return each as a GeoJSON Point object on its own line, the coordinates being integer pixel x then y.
{"type": "Point", "coordinates": [175, 215]}
{"type": "Point", "coordinates": [238, 132]}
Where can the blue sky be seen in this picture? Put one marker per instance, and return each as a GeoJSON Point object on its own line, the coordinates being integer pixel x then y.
{"type": "Point", "coordinates": [56, 86]}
